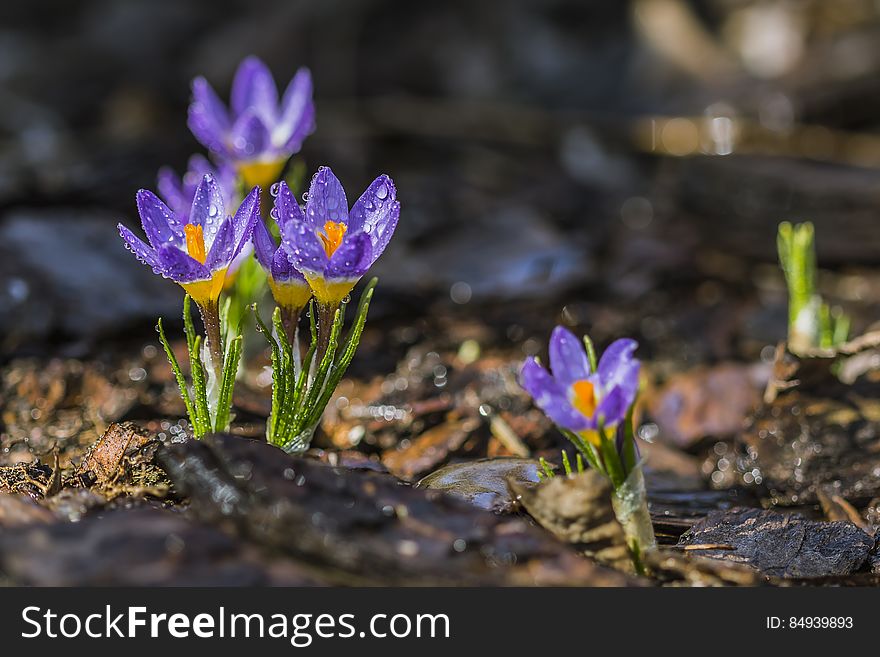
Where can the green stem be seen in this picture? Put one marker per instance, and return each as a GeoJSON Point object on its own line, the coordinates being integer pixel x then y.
{"type": "Point", "coordinates": [211, 320]}
{"type": "Point", "coordinates": [290, 321]}
{"type": "Point", "coordinates": [326, 313]}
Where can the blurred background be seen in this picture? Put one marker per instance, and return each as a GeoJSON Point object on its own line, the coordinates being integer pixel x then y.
{"type": "Point", "coordinates": [618, 166]}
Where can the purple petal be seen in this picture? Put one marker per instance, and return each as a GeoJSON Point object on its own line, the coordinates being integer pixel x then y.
{"type": "Point", "coordinates": [613, 407]}
{"type": "Point", "coordinates": [303, 247]}
{"type": "Point", "coordinates": [282, 269]}
{"type": "Point", "coordinates": [616, 364]}
{"type": "Point", "coordinates": [245, 219]}
{"type": "Point", "coordinates": [159, 223]}
{"type": "Point", "coordinates": [253, 88]}
{"type": "Point", "coordinates": [352, 259]}
{"type": "Point", "coordinates": [376, 213]}
{"type": "Point", "coordinates": [297, 120]}
{"type": "Point", "coordinates": [383, 236]}
{"type": "Point", "coordinates": [207, 117]}
{"type": "Point", "coordinates": [223, 249]}
{"type": "Point", "coordinates": [264, 245]}
{"type": "Point", "coordinates": [327, 200]}
{"type": "Point", "coordinates": [142, 251]}
{"type": "Point", "coordinates": [180, 267]}
{"type": "Point", "coordinates": [551, 397]}
{"type": "Point", "coordinates": [208, 210]}
{"type": "Point", "coordinates": [568, 357]}
{"type": "Point", "coordinates": [286, 208]}
{"type": "Point", "coordinates": [250, 137]}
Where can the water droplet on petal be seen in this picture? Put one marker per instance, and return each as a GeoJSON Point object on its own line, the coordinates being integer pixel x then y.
{"type": "Point", "coordinates": [275, 188]}
{"type": "Point", "coordinates": [382, 191]}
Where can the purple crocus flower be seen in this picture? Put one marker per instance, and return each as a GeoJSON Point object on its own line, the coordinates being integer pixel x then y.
{"type": "Point", "coordinates": [195, 251]}
{"type": "Point", "coordinates": [289, 287]}
{"type": "Point", "coordinates": [257, 133]}
{"type": "Point", "coordinates": [576, 398]}
{"type": "Point", "coordinates": [178, 191]}
{"type": "Point", "coordinates": [333, 246]}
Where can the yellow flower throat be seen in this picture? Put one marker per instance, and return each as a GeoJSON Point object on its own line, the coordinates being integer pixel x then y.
{"type": "Point", "coordinates": [195, 242]}
{"type": "Point", "coordinates": [584, 397]}
{"type": "Point", "coordinates": [208, 290]}
{"type": "Point", "coordinates": [332, 236]}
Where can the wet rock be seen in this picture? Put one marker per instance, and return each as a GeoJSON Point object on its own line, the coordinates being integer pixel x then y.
{"type": "Point", "coordinates": [361, 526]}
{"type": "Point", "coordinates": [80, 281]}
{"type": "Point", "coordinates": [707, 402]}
{"type": "Point", "coordinates": [484, 482]}
{"type": "Point", "coordinates": [476, 261]}
{"type": "Point", "coordinates": [141, 547]}
{"type": "Point", "coordinates": [430, 449]}
{"type": "Point", "coordinates": [778, 545]}
{"type": "Point", "coordinates": [578, 510]}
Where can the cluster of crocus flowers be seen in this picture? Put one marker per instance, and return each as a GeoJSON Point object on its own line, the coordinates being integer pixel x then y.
{"type": "Point", "coordinates": [591, 403]}
{"type": "Point", "coordinates": [257, 133]}
{"type": "Point", "coordinates": [324, 249]}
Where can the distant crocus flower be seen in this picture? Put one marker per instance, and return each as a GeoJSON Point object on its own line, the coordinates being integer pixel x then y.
{"type": "Point", "coordinates": [332, 246]}
{"type": "Point", "coordinates": [178, 191]}
{"type": "Point", "coordinates": [194, 251]}
{"type": "Point", "coordinates": [257, 134]}
{"type": "Point", "coordinates": [576, 398]}
{"type": "Point", "coordinates": [289, 287]}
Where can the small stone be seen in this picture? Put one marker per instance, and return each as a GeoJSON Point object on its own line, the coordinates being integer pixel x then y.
{"type": "Point", "coordinates": [484, 482]}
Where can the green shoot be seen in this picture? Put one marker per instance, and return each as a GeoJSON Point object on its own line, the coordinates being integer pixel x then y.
{"type": "Point", "coordinates": [811, 323]}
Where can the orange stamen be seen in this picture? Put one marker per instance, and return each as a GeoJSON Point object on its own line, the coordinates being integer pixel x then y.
{"type": "Point", "coordinates": [332, 236]}
{"type": "Point", "coordinates": [195, 242]}
{"type": "Point", "coordinates": [584, 397]}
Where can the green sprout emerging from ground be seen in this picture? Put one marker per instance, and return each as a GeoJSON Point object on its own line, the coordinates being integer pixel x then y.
{"type": "Point", "coordinates": [812, 323]}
